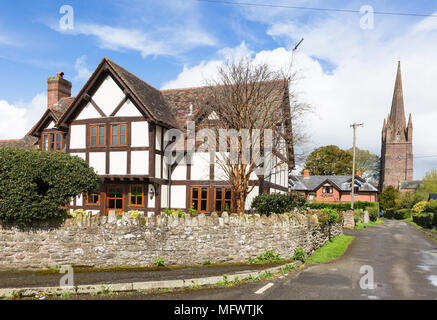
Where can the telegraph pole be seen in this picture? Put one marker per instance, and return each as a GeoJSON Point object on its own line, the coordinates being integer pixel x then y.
{"type": "Point", "coordinates": [354, 126]}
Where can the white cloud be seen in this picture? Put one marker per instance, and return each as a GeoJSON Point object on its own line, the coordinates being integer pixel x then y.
{"type": "Point", "coordinates": [18, 118]}
{"type": "Point", "coordinates": [81, 67]}
{"type": "Point", "coordinates": [162, 41]}
{"type": "Point", "coordinates": [349, 76]}
{"type": "Point", "coordinates": [196, 75]}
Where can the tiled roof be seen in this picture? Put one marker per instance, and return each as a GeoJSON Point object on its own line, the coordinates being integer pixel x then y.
{"type": "Point", "coordinates": [311, 183]}
{"type": "Point", "coordinates": [151, 98]}
{"type": "Point", "coordinates": [59, 108]}
{"type": "Point", "coordinates": [28, 142]}
{"type": "Point", "coordinates": [432, 196]}
{"type": "Point", "coordinates": [180, 101]}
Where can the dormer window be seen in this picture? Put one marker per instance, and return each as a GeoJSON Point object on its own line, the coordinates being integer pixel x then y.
{"type": "Point", "coordinates": [52, 141]}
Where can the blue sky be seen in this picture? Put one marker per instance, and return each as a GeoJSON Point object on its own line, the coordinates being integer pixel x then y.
{"type": "Point", "coordinates": [348, 72]}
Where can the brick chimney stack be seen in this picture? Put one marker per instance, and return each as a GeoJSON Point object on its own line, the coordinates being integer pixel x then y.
{"type": "Point", "coordinates": [359, 173]}
{"type": "Point", "coordinates": [306, 173]}
{"type": "Point", "coordinates": [57, 88]}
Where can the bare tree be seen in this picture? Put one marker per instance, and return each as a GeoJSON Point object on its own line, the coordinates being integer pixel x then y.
{"type": "Point", "coordinates": [254, 101]}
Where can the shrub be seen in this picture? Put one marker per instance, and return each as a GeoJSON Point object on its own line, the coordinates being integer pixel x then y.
{"type": "Point", "coordinates": [268, 257]}
{"type": "Point", "coordinates": [420, 206]}
{"type": "Point", "coordinates": [342, 206]}
{"type": "Point", "coordinates": [402, 214]}
{"type": "Point", "coordinates": [277, 202]}
{"type": "Point", "coordinates": [34, 184]}
{"type": "Point", "coordinates": [300, 254]}
{"type": "Point", "coordinates": [373, 213]}
{"type": "Point", "coordinates": [424, 219]}
{"type": "Point", "coordinates": [431, 206]}
{"type": "Point", "coordinates": [389, 213]}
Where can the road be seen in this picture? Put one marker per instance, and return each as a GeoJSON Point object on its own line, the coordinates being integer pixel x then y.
{"type": "Point", "coordinates": [403, 260]}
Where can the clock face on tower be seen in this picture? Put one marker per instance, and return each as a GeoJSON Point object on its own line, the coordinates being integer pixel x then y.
{"type": "Point", "coordinates": [399, 157]}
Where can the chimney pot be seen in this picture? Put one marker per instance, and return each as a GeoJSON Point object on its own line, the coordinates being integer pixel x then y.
{"type": "Point", "coordinates": [60, 75]}
{"type": "Point", "coordinates": [359, 173]}
{"type": "Point", "coordinates": [306, 173]}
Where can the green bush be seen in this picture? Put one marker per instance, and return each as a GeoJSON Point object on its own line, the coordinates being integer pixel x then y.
{"type": "Point", "coordinates": [420, 206]}
{"type": "Point", "coordinates": [300, 254]}
{"type": "Point", "coordinates": [34, 184]}
{"type": "Point", "coordinates": [402, 214]}
{"type": "Point", "coordinates": [398, 214]}
{"type": "Point", "coordinates": [431, 206]}
{"type": "Point", "coordinates": [388, 197]}
{"type": "Point", "coordinates": [277, 202]}
{"type": "Point", "coordinates": [342, 206]}
{"type": "Point", "coordinates": [425, 219]}
{"type": "Point", "coordinates": [373, 213]}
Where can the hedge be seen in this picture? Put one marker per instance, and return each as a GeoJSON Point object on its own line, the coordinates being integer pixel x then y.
{"type": "Point", "coordinates": [34, 184]}
{"type": "Point", "coordinates": [398, 214]}
{"type": "Point", "coordinates": [426, 220]}
{"type": "Point", "coordinates": [431, 206]}
{"type": "Point", "coordinates": [343, 206]}
{"type": "Point", "coordinates": [277, 202]}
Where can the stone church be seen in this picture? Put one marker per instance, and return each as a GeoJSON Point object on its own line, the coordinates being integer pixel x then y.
{"type": "Point", "coordinates": [397, 145]}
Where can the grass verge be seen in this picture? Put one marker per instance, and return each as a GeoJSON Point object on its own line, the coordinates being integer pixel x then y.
{"type": "Point", "coordinates": [432, 234]}
{"type": "Point", "coordinates": [362, 225]}
{"type": "Point", "coordinates": [331, 250]}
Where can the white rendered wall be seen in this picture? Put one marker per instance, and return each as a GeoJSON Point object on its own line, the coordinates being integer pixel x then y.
{"type": "Point", "coordinates": [108, 96]}
{"type": "Point", "coordinates": [180, 172]}
{"type": "Point", "coordinates": [98, 162]}
{"type": "Point", "coordinates": [250, 197]}
{"type": "Point", "coordinates": [158, 137]}
{"type": "Point", "coordinates": [219, 173]}
{"type": "Point", "coordinates": [139, 162]}
{"type": "Point", "coordinates": [178, 197]}
{"type": "Point", "coordinates": [80, 155]}
{"type": "Point", "coordinates": [164, 196]}
{"type": "Point", "coordinates": [128, 109]}
{"type": "Point", "coordinates": [164, 168]}
{"type": "Point", "coordinates": [200, 166]}
{"type": "Point", "coordinates": [140, 134]}
{"type": "Point", "coordinates": [89, 112]}
{"type": "Point", "coordinates": [118, 162]}
{"type": "Point", "coordinates": [51, 125]}
{"type": "Point", "coordinates": [158, 166]}
{"type": "Point", "coordinates": [78, 136]}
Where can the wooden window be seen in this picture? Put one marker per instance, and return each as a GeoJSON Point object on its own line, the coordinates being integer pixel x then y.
{"type": "Point", "coordinates": [52, 141]}
{"type": "Point", "coordinates": [327, 189]}
{"type": "Point", "coordinates": [119, 135]}
{"type": "Point", "coordinates": [136, 196]}
{"type": "Point", "coordinates": [114, 199]}
{"type": "Point", "coordinates": [199, 198]}
{"type": "Point", "coordinates": [223, 199]}
{"type": "Point", "coordinates": [92, 199]}
{"type": "Point", "coordinates": [97, 136]}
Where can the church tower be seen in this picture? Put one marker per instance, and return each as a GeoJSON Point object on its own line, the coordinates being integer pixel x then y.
{"type": "Point", "coordinates": [397, 142]}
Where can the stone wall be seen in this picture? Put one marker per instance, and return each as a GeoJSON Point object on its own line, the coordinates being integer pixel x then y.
{"type": "Point", "coordinates": [110, 241]}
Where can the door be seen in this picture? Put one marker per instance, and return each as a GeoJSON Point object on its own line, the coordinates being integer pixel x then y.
{"type": "Point", "coordinates": [114, 199]}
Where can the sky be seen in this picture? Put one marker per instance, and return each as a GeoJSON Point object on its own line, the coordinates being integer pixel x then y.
{"type": "Point", "coordinates": [346, 65]}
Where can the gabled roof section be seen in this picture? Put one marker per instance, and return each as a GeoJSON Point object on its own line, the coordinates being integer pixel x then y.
{"type": "Point", "coordinates": [342, 183]}
{"type": "Point", "coordinates": [53, 113]}
{"type": "Point", "coordinates": [148, 99]}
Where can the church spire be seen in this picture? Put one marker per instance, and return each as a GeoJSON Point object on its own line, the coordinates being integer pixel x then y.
{"type": "Point", "coordinates": [397, 113]}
